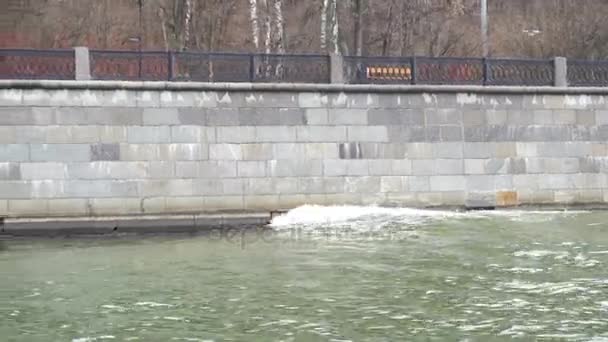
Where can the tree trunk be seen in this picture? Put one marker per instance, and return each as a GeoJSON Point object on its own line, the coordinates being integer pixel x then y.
{"type": "Point", "coordinates": [163, 19]}
{"type": "Point", "coordinates": [280, 48]}
{"type": "Point", "coordinates": [255, 28]}
{"type": "Point", "coordinates": [267, 27]}
{"type": "Point", "coordinates": [280, 26]}
{"type": "Point", "coordinates": [335, 27]}
{"type": "Point", "coordinates": [187, 20]}
{"type": "Point", "coordinates": [324, 14]}
{"type": "Point", "coordinates": [386, 42]}
{"type": "Point", "coordinates": [359, 13]}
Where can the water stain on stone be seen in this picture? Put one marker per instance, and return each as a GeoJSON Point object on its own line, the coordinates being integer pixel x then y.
{"type": "Point", "coordinates": [506, 198]}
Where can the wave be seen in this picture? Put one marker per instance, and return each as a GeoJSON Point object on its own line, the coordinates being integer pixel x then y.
{"type": "Point", "coordinates": [316, 215]}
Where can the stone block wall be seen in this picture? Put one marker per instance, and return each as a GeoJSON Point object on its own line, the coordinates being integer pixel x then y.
{"type": "Point", "coordinates": [85, 150]}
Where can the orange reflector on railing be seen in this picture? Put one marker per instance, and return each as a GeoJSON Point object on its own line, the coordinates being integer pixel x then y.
{"type": "Point", "coordinates": [389, 72]}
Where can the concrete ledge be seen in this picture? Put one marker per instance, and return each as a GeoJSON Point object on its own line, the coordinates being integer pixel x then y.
{"type": "Point", "coordinates": [19, 227]}
{"type": "Point", "coordinates": [295, 87]}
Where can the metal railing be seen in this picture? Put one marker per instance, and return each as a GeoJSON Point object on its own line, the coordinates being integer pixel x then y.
{"type": "Point", "coordinates": [431, 70]}
{"type": "Point", "coordinates": [588, 73]}
{"type": "Point", "coordinates": [129, 65]}
{"type": "Point", "coordinates": [208, 67]}
{"type": "Point", "coordinates": [527, 72]}
{"type": "Point", "coordinates": [242, 67]}
{"type": "Point", "coordinates": [37, 64]}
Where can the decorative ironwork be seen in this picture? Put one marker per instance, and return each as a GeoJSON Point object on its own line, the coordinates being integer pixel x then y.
{"type": "Point", "coordinates": [526, 72]}
{"type": "Point", "coordinates": [383, 70]}
{"type": "Point", "coordinates": [587, 73]}
{"type": "Point", "coordinates": [447, 70]}
{"type": "Point", "coordinates": [290, 68]}
{"type": "Point", "coordinates": [36, 64]}
{"type": "Point", "coordinates": [242, 67]}
{"type": "Point", "coordinates": [435, 70]}
{"type": "Point", "coordinates": [210, 67]}
{"type": "Point", "coordinates": [130, 65]}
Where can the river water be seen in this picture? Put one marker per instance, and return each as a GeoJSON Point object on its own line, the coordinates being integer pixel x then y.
{"type": "Point", "coordinates": [321, 274]}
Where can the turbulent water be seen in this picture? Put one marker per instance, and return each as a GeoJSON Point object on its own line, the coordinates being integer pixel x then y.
{"type": "Point", "coordinates": [321, 274]}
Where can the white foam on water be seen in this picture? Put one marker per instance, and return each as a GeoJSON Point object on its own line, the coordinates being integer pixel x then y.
{"type": "Point", "coordinates": [560, 336]}
{"type": "Point", "coordinates": [315, 215]}
{"type": "Point", "coordinates": [521, 330]}
{"type": "Point", "coordinates": [337, 215]}
{"type": "Point", "coordinates": [280, 322]}
{"type": "Point", "coordinates": [91, 339]}
{"type": "Point", "coordinates": [542, 288]}
{"type": "Point", "coordinates": [400, 317]}
{"type": "Point", "coordinates": [114, 307]}
{"type": "Point", "coordinates": [153, 304]}
{"type": "Point", "coordinates": [519, 270]}
{"type": "Point", "coordinates": [471, 327]}
{"type": "Point", "coordinates": [515, 303]}
{"type": "Point", "coordinates": [539, 253]}
{"type": "Point", "coordinates": [582, 261]}
{"type": "Point", "coordinates": [381, 327]}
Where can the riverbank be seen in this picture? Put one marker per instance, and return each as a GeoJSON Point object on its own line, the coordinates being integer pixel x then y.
{"type": "Point", "coordinates": [210, 222]}
{"type": "Point", "coordinates": [95, 149]}
{"type": "Point", "coordinates": [133, 224]}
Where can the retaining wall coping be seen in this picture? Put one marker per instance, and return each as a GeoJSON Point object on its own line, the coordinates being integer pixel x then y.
{"type": "Point", "coordinates": [294, 87]}
{"type": "Point", "coordinates": [130, 224]}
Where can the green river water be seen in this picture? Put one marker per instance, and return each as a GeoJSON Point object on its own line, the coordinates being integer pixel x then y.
{"type": "Point", "coordinates": [322, 274]}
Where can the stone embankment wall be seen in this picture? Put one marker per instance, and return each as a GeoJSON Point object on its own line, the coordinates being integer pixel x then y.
{"type": "Point", "coordinates": [101, 148]}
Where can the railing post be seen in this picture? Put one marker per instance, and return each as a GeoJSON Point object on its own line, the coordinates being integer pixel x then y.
{"type": "Point", "coordinates": [169, 66]}
{"type": "Point", "coordinates": [82, 63]}
{"type": "Point", "coordinates": [336, 68]}
{"type": "Point", "coordinates": [560, 72]}
{"type": "Point", "coordinates": [414, 71]}
{"type": "Point", "coordinates": [251, 68]}
{"type": "Point", "coordinates": [486, 71]}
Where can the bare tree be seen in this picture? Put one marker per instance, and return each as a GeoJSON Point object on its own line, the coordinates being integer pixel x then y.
{"type": "Point", "coordinates": [519, 28]}
{"type": "Point", "coordinates": [187, 20]}
{"type": "Point", "coordinates": [255, 28]}
{"type": "Point", "coordinates": [324, 16]}
{"type": "Point", "coordinates": [280, 26]}
{"type": "Point", "coordinates": [360, 11]}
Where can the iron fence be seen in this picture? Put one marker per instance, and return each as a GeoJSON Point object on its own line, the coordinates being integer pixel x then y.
{"type": "Point", "coordinates": [36, 64]}
{"type": "Point", "coordinates": [442, 71]}
{"type": "Point", "coordinates": [525, 72]}
{"type": "Point", "coordinates": [208, 67]}
{"type": "Point", "coordinates": [129, 65]}
{"type": "Point", "coordinates": [241, 67]}
{"type": "Point", "coordinates": [449, 70]}
{"type": "Point", "coordinates": [587, 73]}
{"type": "Point", "coordinates": [294, 68]}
